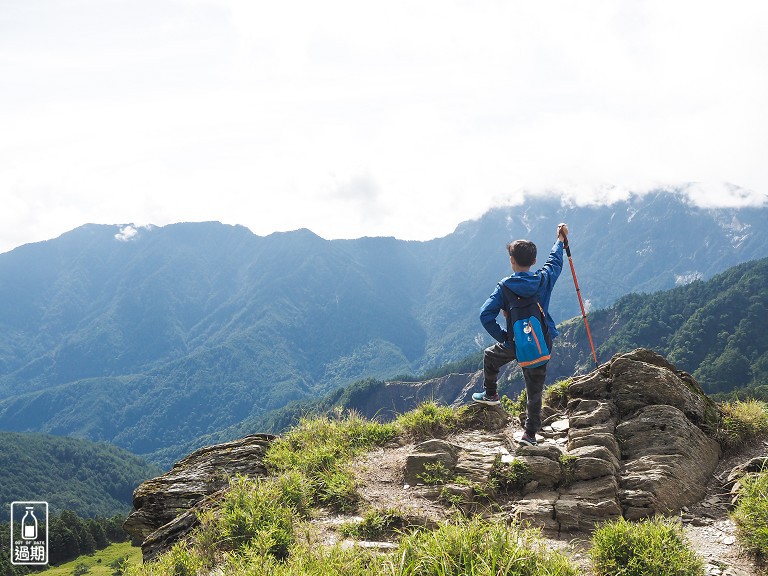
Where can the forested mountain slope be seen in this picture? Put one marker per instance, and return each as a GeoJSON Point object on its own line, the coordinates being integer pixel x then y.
{"type": "Point", "coordinates": [714, 329]}
{"type": "Point", "coordinates": [152, 337]}
{"type": "Point", "coordinates": [68, 473]}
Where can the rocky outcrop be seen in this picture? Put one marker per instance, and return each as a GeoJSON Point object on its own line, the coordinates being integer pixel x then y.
{"type": "Point", "coordinates": [633, 441]}
{"type": "Point", "coordinates": [165, 508]}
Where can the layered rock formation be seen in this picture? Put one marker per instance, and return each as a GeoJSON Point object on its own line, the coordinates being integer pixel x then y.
{"type": "Point", "coordinates": [633, 441]}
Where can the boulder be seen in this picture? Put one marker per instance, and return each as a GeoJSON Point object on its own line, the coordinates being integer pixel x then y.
{"type": "Point", "coordinates": [484, 417]}
{"type": "Point", "coordinates": [544, 470]}
{"type": "Point", "coordinates": [637, 446]}
{"type": "Point", "coordinates": [159, 501]}
{"type": "Point", "coordinates": [593, 438]}
{"type": "Point", "coordinates": [588, 413]}
{"type": "Point", "coordinates": [538, 510]}
{"type": "Point", "coordinates": [639, 384]}
{"type": "Point", "coordinates": [435, 452]}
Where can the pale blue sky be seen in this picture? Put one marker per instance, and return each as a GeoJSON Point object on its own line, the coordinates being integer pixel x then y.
{"type": "Point", "coordinates": [356, 118]}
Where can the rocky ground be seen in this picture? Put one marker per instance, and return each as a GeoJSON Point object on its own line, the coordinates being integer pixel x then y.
{"type": "Point", "coordinates": [707, 525]}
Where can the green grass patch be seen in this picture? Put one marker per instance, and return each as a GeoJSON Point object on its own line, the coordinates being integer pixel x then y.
{"type": "Point", "coordinates": [751, 513]}
{"type": "Point", "coordinates": [318, 451]}
{"type": "Point", "coordinates": [180, 560]}
{"type": "Point", "coordinates": [654, 546]}
{"type": "Point", "coordinates": [517, 406]}
{"type": "Point", "coordinates": [510, 476]}
{"type": "Point", "coordinates": [428, 420]}
{"type": "Point", "coordinates": [478, 547]}
{"type": "Point", "coordinates": [305, 560]}
{"type": "Point", "coordinates": [256, 512]}
{"type": "Point", "coordinates": [743, 421]}
{"type": "Point", "coordinates": [376, 524]}
{"type": "Point", "coordinates": [556, 395]}
{"type": "Point", "coordinates": [101, 563]}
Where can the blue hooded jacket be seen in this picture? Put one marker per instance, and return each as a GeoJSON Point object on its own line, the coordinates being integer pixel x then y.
{"type": "Point", "coordinates": [525, 284]}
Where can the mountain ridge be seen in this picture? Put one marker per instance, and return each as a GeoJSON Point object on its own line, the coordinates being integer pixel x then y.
{"type": "Point", "coordinates": [111, 331]}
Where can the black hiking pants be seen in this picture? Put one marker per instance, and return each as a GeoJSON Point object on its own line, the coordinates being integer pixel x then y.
{"type": "Point", "coordinates": [494, 358]}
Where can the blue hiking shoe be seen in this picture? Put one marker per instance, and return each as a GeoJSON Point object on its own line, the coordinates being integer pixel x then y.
{"type": "Point", "coordinates": [528, 440]}
{"type": "Point", "coordinates": [483, 398]}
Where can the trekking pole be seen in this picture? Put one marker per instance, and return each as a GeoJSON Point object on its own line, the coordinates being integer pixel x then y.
{"type": "Point", "coordinates": [581, 303]}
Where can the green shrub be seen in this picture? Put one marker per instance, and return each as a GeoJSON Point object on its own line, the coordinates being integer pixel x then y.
{"type": "Point", "coordinates": [751, 513]}
{"type": "Point", "coordinates": [516, 406]}
{"type": "Point", "coordinates": [654, 546]}
{"type": "Point", "coordinates": [376, 524]}
{"type": "Point", "coordinates": [477, 547]}
{"type": "Point", "coordinates": [510, 476]}
{"type": "Point", "coordinates": [743, 421]}
{"type": "Point", "coordinates": [428, 420]}
{"type": "Point", "coordinates": [556, 395]}
{"type": "Point", "coordinates": [435, 473]}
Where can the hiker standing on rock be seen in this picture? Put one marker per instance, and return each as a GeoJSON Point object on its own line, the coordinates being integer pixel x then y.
{"type": "Point", "coordinates": [523, 298]}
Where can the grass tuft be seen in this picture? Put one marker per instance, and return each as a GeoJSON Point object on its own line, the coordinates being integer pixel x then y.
{"type": "Point", "coordinates": [743, 421]}
{"type": "Point", "coordinates": [751, 513]}
{"type": "Point", "coordinates": [568, 468]}
{"type": "Point", "coordinates": [556, 395]}
{"type": "Point", "coordinates": [510, 476]}
{"type": "Point", "coordinates": [376, 524]}
{"type": "Point", "coordinates": [428, 420]}
{"type": "Point", "coordinates": [319, 451]}
{"type": "Point", "coordinates": [478, 547]}
{"type": "Point", "coordinates": [655, 546]}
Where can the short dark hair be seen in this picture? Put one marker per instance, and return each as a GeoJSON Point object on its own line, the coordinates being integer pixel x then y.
{"type": "Point", "coordinates": [523, 251]}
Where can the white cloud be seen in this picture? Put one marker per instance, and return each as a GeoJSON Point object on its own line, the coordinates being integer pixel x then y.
{"type": "Point", "coordinates": [350, 118]}
{"type": "Point", "coordinates": [126, 233]}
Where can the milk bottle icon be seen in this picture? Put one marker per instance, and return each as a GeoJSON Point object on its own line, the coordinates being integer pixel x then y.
{"type": "Point", "coordinates": [29, 524]}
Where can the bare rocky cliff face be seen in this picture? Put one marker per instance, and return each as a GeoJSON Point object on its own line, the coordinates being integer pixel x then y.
{"type": "Point", "coordinates": [634, 440]}
{"type": "Point", "coordinates": [392, 398]}
{"type": "Point", "coordinates": [395, 397]}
